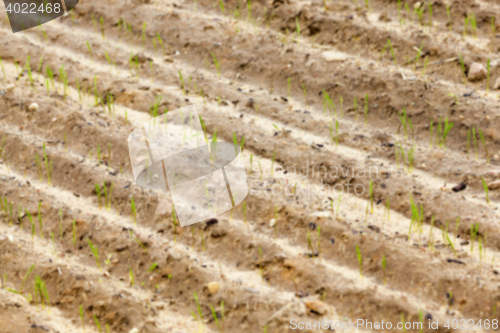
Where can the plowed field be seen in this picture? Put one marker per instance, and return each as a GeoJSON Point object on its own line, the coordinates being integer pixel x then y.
{"type": "Point", "coordinates": [365, 202]}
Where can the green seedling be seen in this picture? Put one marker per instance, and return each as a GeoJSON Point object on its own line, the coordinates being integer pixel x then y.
{"type": "Point", "coordinates": [485, 187]}
{"type": "Point", "coordinates": [95, 252]}
{"type": "Point", "coordinates": [446, 129]}
{"type": "Point", "coordinates": [450, 22]}
{"type": "Point", "coordinates": [97, 323]}
{"type": "Point", "coordinates": [48, 165]}
{"type": "Point", "coordinates": [26, 278]}
{"type": "Point", "coordinates": [131, 276]}
{"type": "Point", "coordinates": [493, 26]}
{"type": "Point", "coordinates": [360, 261]}
{"type": "Point", "coordinates": [102, 27]}
{"type": "Point", "coordinates": [309, 243]}
{"type": "Point", "coordinates": [404, 122]}
{"type": "Point", "coordinates": [160, 41]}
{"type": "Point", "coordinates": [329, 103]}
{"type": "Point", "coordinates": [430, 14]}
{"type": "Point", "coordinates": [81, 318]}
{"type": "Point", "coordinates": [319, 241]}
{"type": "Point", "coordinates": [198, 308]}
{"type": "Point", "coordinates": [32, 223]}
{"type": "Point", "coordinates": [214, 314]}
{"type": "Point", "coordinates": [90, 50]}
{"type": "Point", "coordinates": [392, 51]}
{"type": "Point", "coordinates": [153, 267]}
{"type": "Point", "coordinates": [174, 222]}
{"type": "Point", "coordinates": [297, 26]}
{"type": "Point", "coordinates": [388, 209]}
{"type": "Point", "coordinates": [216, 63]}
{"type": "Point", "coordinates": [473, 234]}
{"type": "Point", "coordinates": [40, 218]}
{"type": "Point", "coordinates": [134, 211]}
{"type": "Point", "coordinates": [182, 83]}
{"type": "Point", "coordinates": [488, 76]}
{"type": "Point", "coordinates": [450, 243]}
{"type": "Point", "coordinates": [403, 321]}
{"type": "Point", "coordinates": [245, 212]}
{"type": "Point", "coordinates": [98, 193]}
{"type": "Point", "coordinates": [485, 147]}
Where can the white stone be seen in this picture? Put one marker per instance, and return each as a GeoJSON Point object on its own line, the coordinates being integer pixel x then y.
{"type": "Point", "coordinates": [33, 107]}
{"type": "Point", "coordinates": [476, 72]}
{"type": "Point", "coordinates": [330, 56]}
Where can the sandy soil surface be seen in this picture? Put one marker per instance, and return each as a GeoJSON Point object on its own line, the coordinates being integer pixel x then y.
{"type": "Point", "coordinates": [423, 244]}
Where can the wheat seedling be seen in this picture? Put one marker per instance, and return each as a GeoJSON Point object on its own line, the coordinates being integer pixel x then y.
{"type": "Point", "coordinates": [474, 140]}
{"type": "Point", "coordinates": [31, 222]}
{"type": "Point", "coordinates": [95, 252]}
{"type": "Point", "coordinates": [392, 51]}
{"type": "Point", "coordinates": [81, 318]}
{"type": "Point", "coordinates": [487, 76]}
{"type": "Point", "coordinates": [360, 261]}
{"type": "Point", "coordinates": [40, 218]}
{"type": "Point", "coordinates": [48, 166]}
{"type": "Point", "coordinates": [485, 147]}
{"type": "Point", "coordinates": [485, 186]}
{"type": "Point", "coordinates": [26, 278]}
{"type": "Point", "coordinates": [216, 63]}
{"type": "Point", "coordinates": [134, 211]}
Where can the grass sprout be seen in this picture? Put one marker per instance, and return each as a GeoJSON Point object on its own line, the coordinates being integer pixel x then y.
{"type": "Point", "coordinates": [95, 252]}
{"type": "Point", "coordinates": [486, 190]}
{"type": "Point", "coordinates": [360, 261]}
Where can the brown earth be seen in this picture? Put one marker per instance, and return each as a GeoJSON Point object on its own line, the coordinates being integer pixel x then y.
{"type": "Point", "coordinates": [271, 90]}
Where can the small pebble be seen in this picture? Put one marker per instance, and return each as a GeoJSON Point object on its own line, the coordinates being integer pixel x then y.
{"type": "Point", "coordinates": [213, 287]}
{"type": "Point", "coordinates": [33, 107]}
{"type": "Point", "coordinates": [272, 223]}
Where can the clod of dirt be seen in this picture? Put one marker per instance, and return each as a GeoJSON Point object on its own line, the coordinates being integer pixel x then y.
{"type": "Point", "coordinates": [140, 58]}
{"type": "Point", "coordinates": [494, 185]}
{"type": "Point", "coordinates": [213, 287]}
{"type": "Point", "coordinates": [33, 107]}
{"type": "Point", "coordinates": [477, 72]}
{"type": "Point", "coordinates": [10, 87]}
{"type": "Point", "coordinates": [134, 330]}
{"type": "Point", "coordinates": [497, 84]}
{"type": "Point", "coordinates": [459, 187]}
{"type": "Point", "coordinates": [374, 228]}
{"type": "Point", "coordinates": [168, 59]}
{"type": "Point", "coordinates": [317, 307]}
{"type": "Point", "coordinates": [330, 56]}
